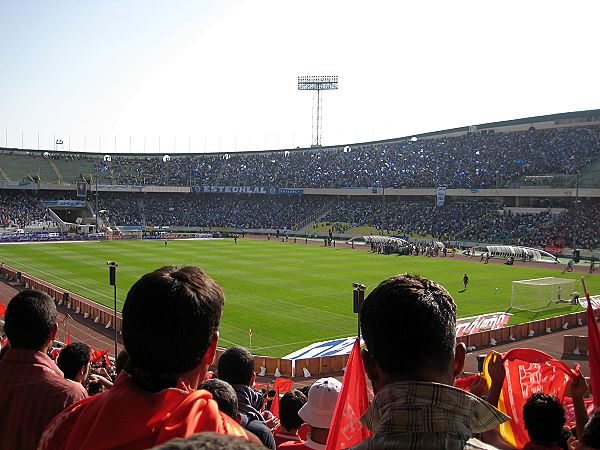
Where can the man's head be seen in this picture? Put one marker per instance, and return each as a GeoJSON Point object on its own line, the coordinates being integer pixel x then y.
{"type": "Point", "coordinates": [322, 397]}
{"type": "Point", "coordinates": [236, 366]}
{"type": "Point", "coordinates": [544, 418]}
{"type": "Point", "coordinates": [30, 320]}
{"type": "Point", "coordinates": [224, 395]}
{"type": "Point", "coordinates": [289, 405]}
{"type": "Point", "coordinates": [409, 327]}
{"type": "Point", "coordinates": [590, 438]}
{"type": "Point", "coordinates": [170, 320]}
{"type": "Point", "coordinates": [74, 361]}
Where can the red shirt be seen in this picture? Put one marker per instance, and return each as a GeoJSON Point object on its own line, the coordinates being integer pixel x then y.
{"type": "Point", "coordinates": [127, 417]}
{"type": "Point", "coordinates": [32, 391]}
{"type": "Point", "coordinates": [281, 437]}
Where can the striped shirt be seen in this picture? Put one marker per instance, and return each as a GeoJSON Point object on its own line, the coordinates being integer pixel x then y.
{"type": "Point", "coordinates": [419, 415]}
{"type": "Point", "coordinates": [32, 391]}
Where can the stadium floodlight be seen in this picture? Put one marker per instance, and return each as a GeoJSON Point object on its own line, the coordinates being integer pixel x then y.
{"type": "Point", "coordinates": [317, 83]}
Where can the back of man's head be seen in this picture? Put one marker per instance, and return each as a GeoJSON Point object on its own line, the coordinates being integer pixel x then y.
{"type": "Point", "coordinates": [590, 439]}
{"type": "Point", "coordinates": [29, 319]}
{"type": "Point", "coordinates": [409, 326]}
{"type": "Point", "coordinates": [289, 405]}
{"type": "Point", "coordinates": [544, 418]}
{"type": "Point", "coordinates": [236, 366]}
{"type": "Point", "coordinates": [72, 358]}
{"type": "Point", "coordinates": [170, 317]}
{"type": "Point", "coordinates": [224, 394]}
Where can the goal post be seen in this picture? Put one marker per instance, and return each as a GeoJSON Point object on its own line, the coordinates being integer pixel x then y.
{"type": "Point", "coordinates": [539, 293]}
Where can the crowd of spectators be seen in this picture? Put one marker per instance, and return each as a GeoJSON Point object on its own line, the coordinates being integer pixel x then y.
{"type": "Point", "coordinates": [19, 209]}
{"type": "Point", "coordinates": [472, 160]}
{"type": "Point", "coordinates": [476, 221]}
{"type": "Point", "coordinates": [161, 392]}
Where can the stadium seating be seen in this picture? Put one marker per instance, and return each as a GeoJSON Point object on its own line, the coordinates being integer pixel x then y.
{"type": "Point", "coordinates": [469, 161]}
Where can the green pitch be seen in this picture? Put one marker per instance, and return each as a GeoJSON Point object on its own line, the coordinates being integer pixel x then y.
{"type": "Point", "coordinates": [289, 294]}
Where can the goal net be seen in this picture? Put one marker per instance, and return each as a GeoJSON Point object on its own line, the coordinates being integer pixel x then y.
{"type": "Point", "coordinates": [539, 293]}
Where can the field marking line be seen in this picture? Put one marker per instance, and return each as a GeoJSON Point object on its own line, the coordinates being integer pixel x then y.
{"type": "Point", "coordinates": [66, 281]}
{"type": "Point", "coordinates": [305, 306]}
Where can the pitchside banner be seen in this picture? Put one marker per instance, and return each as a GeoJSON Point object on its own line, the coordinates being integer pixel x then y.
{"type": "Point", "coordinates": [595, 299]}
{"type": "Point", "coordinates": [441, 195]}
{"type": "Point", "coordinates": [247, 190]}
{"type": "Point", "coordinates": [343, 346]}
{"type": "Point", "coordinates": [483, 322]}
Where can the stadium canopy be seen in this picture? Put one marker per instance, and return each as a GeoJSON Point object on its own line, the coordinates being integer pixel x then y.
{"type": "Point", "coordinates": [517, 252]}
{"type": "Point", "coordinates": [376, 239]}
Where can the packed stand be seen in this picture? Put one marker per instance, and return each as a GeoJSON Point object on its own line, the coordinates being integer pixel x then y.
{"type": "Point", "coordinates": [19, 209]}
{"type": "Point", "coordinates": [468, 161]}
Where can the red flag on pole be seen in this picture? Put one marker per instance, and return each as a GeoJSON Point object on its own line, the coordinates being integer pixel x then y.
{"type": "Point", "coordinates": [593, 348]}
{"type": "Point", "coordinates": [346, 427]}
{"type": "Point", "coordinates": [68, 339]}
{"type": "Point", "coordinates": [2, 309]}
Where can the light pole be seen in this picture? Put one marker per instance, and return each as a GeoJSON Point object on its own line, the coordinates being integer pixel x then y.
{"type": "Point", "coordinates": [575, 210]}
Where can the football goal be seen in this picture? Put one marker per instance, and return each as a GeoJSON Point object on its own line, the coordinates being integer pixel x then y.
{"type": "Point", "coordinates": [539, 293]}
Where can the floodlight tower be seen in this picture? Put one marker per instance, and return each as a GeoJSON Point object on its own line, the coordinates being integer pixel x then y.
{"type": "Point", "coordinates": [317, 83]}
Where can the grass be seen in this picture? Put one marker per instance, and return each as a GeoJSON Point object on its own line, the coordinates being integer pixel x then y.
{"type": "Point", "coordinates": [289, 295]}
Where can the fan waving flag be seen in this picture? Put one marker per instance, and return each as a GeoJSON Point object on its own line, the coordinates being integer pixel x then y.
{"type": "Point", "coordinates": [346, 427]}
{"type": "Point", "coordinates": [527, 371]}
{"type": "Point", "coordinates": [280, 385]}
{"type": "Point", "coordinates": [593, 349]}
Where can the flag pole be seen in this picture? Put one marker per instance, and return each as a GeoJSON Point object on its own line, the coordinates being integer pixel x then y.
{"type": "Point", "coordinates": [358, 299]}
{"type": "Point", "coordinates": [250, 338]}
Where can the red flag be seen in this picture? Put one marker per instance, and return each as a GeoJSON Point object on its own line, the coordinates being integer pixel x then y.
{"type": "Point", "coordinates": [68, 339]}
{"type": "Point", "coordinates": [97, 355]}
{"type": "Point", "coordinates": [346, 427]}
{"type": "Point", "coordinates": [593, 350]}
{"type": "Point", "coordinates": [527, 371]}
{"type": "Point", "coordinates": [283, 384]}
{"type": "Point", "coordinates": [2, 309]}
{"type": "Point", "coordinates": [275, 404]}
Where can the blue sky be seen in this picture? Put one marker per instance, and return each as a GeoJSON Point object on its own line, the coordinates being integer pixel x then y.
{"type": "Point", "coordinates": [221, 75]}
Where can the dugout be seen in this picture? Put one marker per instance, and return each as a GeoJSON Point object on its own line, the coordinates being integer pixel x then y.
{"type": "Point", "coordinates": [516, 251]}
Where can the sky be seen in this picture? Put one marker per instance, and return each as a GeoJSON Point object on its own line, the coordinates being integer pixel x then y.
{"type": "Point", "coordinates": [209, 76]}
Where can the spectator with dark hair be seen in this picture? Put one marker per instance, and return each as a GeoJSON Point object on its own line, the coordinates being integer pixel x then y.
{"type": "Point", "coordinates": [544, 418]}
{"type": "Point", "coordinates": [32, 388]}
{"type": "Point", "coordinates": [209, 441]}
{"type": "Point", "coordinates": [224, 395]}
{"type": "Point", "coordinates": [412, 370]}
{"type": "Point", "coordinates": [170, 331]}
{"type": "Point", "coordinates": [236, 367]}
{"type": "Point", "coordinates": [74, 361]}
{"type": "Point", "coordinates": [289, 405]}
{"type": "Point", "coordinates": [318, 413]}
{"type": "Point", "coordinates": [590, 438]}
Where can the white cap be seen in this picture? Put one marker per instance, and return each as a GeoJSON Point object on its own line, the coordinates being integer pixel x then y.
{"type": "Point", "coordinates": [322, 397]}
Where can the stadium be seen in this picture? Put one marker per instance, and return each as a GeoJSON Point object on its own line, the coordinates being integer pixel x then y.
{"type": "Point", "coordinates": [525, 189]}
{"type": "Point", "coordinates": [286, 293]}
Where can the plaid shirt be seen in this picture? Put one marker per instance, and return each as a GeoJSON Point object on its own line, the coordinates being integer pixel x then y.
{"type": "Point", "coordinates": [419, 415]}
{"type": "Point", "coordinates": [32, 391]}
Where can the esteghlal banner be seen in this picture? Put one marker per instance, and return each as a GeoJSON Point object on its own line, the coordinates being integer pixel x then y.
{"type": "Point", "coordinates": [441, 195]}
{"type": "Point", "coordinates": [334, 347]}
{"type": "Point", "coordinates": [247, 190]}
{"type": "Point", "coordinates": [71, 203]}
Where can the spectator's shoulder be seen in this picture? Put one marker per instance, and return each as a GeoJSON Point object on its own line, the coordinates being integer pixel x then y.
{"type": "Point", "coordinates": [59, 429]}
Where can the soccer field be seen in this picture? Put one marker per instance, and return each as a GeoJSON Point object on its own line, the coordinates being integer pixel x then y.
{"type": "Point", "coordinates": [289, 294]}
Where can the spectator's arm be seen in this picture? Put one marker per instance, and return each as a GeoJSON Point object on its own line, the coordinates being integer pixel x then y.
{"type": "Point", "coordinates": [578, 389]}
